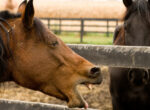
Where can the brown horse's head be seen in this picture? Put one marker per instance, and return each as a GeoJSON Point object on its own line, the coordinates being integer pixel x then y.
{"type": "Point", "coordinates": [41, 61]}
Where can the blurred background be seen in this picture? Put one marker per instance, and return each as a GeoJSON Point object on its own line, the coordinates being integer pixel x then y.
{"type": "Point", "coordinates": [77, 21]}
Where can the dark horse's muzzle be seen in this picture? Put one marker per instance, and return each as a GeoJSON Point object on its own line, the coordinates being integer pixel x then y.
{"type": "Point", "coordinates": [138, 77]}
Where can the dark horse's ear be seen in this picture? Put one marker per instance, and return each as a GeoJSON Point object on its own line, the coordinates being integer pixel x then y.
{"type": "Point", "coordinates": [127, 3]}
{"type": "Point", "coordinates": [28, 15]}
{"type": "Point", "coordinates": [22, 7]}
{"type": "Point", "coordinates": [149, 2]}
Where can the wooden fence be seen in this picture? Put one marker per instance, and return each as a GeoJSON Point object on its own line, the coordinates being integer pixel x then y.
{"type": "Point", "coordinates": [22, 105]}
{"type": "Point", "coordinates": [115, 56]}
{"type": "Point", "coordinates": [81, 25]}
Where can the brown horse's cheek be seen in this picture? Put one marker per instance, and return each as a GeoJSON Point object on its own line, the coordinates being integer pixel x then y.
{"type": "Point", "coordinates": [50, 89]}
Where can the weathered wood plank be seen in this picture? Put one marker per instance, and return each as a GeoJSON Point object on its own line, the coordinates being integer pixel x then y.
{"type": "Point", "coordinates": [21, 105]}
{"type": "Point", "coordinates": [115, 56]}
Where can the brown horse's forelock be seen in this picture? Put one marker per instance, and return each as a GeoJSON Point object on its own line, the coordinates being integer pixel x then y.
{"type": "Point", "coordinates": [141, 7]}
{"type": "Point", "coordinates": [40, 30]}
{"type": "Point", "coordinates": [5, 52]}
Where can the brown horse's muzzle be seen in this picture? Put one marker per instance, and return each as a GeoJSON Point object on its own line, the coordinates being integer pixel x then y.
{"type": "Point", "coordinates": [94, 76]}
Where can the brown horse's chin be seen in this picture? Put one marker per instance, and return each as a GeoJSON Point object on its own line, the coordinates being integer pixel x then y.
{"type": "Point", "coordinates": [80, 101]}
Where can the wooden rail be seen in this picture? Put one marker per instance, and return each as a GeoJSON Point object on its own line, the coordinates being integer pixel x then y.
{"type": "Point", "coordinates": [21, 105]}
{"type": "Point", "coordinates": [115, 56]}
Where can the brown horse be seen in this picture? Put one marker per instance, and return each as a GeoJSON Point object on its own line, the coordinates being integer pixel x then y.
{"type": "Point", "coordinates": [130, 87]}
{"type": "Point", "coordinates": [35, 58]}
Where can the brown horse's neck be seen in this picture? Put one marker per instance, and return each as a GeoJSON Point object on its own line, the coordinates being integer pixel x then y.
{"type": "Point", "coordinates": [5, 77]}
{"type": "Point", "coordinates": [5, 53]}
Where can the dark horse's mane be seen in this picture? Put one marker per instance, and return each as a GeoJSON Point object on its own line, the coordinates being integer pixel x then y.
{"type": "Point", "coordinates": [141, 7]}
{"type": "Point", "coordinates": [4, 49]}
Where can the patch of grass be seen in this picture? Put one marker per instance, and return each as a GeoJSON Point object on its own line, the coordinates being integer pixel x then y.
{"type": "Point", "coordinates": [88, 38]}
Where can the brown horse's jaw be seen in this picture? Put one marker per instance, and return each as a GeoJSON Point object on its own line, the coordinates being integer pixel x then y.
{"type": "Point", "coordinates": [77, 100]}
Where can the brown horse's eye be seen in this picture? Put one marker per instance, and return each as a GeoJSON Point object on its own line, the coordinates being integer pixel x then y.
{"type": "Point", "coordinates": [54, 43]}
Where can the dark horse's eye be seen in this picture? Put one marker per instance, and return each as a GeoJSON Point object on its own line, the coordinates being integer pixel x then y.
{"type": "Point", "coordinates": [125, 25]}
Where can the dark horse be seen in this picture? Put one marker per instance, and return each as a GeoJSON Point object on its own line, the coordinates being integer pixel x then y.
{"type": "Point", "coordinates": [35, 58]}
{"type": "Point", "coordinates": [130, 87]}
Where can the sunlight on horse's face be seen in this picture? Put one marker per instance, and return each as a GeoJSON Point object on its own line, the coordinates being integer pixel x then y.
{"type": "Point", "coordinates": [43, 62]}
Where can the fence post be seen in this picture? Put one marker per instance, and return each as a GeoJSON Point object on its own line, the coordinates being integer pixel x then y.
{"type": "Point", "coordinates": [82, 30]}
{"type": "Point", "coordinates": [48, 23]}
{"type": "Point", "coordinates": [59, 26]}
{"type": "Point", "coordinates": [117, 22]}
{"type": "Point", "coordinates": [107, 28]}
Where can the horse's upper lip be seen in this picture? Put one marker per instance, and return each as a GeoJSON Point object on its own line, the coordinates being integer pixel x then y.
{"type": "Point", "coordinates": [93, 82]}
{"type": "Point", "coordinates": [89, 85]}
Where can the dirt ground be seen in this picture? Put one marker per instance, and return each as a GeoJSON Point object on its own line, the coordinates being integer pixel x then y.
{"type": "Point", "coordinates": [98, 97]}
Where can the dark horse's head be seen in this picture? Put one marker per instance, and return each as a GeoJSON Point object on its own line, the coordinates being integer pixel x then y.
{"type": "Point", "coordinates": [130, 87]}
{"type": "Point", "coordinates": [137, 22]}
{"type": "Point", "coordinates": [35, 58]}
{"type": "Point", "coordinates": [135, 30]}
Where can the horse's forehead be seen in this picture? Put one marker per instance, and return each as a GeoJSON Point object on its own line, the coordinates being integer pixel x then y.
{"type": "Point", "coordinates": [139, 8]}
{"type": "Point", "coordinates": [40, 27]}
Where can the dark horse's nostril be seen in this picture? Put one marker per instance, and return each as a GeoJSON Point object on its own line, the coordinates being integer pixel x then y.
{"type": "Point", "coordinates": [146, 75]}
{"type": "Point", "coordinates": [95, 70]}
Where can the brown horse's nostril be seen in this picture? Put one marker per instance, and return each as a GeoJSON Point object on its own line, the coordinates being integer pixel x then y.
{"type": "Point", "coordinates": [95, 71]}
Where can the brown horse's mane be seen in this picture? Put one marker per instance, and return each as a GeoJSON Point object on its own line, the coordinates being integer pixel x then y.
{"type": "Point", "coordinates": [7, 15]}
{"type": "Point", "coordinates": [141, 7]}
{"type": "Point", "coordinates": [5, 52]}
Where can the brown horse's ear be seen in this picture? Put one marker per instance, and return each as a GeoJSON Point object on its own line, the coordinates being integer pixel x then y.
{"type": "Point", "coordinates": [22, 7]}
{"type": "Point", "coordinates": [127, 3]}
{"type": "Point", "coordinates": [28, 15]}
